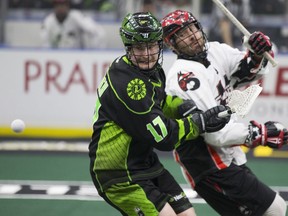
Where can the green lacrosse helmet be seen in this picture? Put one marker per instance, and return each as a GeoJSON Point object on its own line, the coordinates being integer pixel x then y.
{"type": "Point", "coordinates": [140, 27]}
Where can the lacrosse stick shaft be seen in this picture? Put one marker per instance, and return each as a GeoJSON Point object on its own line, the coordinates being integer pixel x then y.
{"type": "Point", "coordinates": [225, 113]}
{"type": "Point", "coordinates": [190, 110]}
{"type": "Point", "coordinates": [234, 20]}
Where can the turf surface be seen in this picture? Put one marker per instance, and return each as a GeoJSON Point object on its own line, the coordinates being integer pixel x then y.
{"type": "Point", "coordinates": [74, 167]}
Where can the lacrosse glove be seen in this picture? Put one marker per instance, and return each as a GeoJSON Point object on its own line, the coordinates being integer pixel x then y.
{"type": "Point", "coordinates": [258, 43]}
{"type": "Point", "coordinates": [209, 121]}
{"type": "Point", "coordinates": [272, 134]}
{"type": "Point", "coordinates": [187, 107]}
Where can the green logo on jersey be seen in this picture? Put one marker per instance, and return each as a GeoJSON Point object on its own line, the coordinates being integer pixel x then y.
{"type": "Point", "coordinates": [136, 89]}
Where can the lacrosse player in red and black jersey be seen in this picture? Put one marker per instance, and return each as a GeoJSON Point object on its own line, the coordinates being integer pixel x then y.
{"type": "Point", "coordinates": [214, 163]}
{"type": "Point", "coordinates": [129, 123]}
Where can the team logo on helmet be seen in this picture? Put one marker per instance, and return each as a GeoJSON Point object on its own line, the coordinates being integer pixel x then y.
{"type": "Point", "coordinates": [136, 89]}
{"type": "Point", "coordinates": [145, 35]}
{"type": "Point", "coordinates": [187, 81]}
{"type": "Point", "coordinates": [143, 22]}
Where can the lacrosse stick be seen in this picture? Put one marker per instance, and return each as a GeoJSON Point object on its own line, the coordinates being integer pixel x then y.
{"type": "Point", "coordinates": [240, 102]}
{"type": "Point", "coordinates": [241, 28]}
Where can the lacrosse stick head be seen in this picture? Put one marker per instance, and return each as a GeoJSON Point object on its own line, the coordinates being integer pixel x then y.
{"type": "Point", "coordinates": [240, 102]}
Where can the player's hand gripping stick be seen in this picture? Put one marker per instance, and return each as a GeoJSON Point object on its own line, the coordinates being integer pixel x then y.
{"type": "Point", "coordinates": [241, 28]}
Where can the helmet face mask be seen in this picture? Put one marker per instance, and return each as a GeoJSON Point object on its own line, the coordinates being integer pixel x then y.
{"type": "Point", "coordinates": [141, 34]}
{"type": "Point", "coordinates": [145, 55]}
{"type": "Point", "coordinates": [189, 40]}
{"type": "Point", "coordinates": [184, 35]}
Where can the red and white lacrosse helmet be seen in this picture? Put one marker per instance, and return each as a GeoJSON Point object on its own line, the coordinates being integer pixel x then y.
{"type": "Point", "coordinates": [176, 21]}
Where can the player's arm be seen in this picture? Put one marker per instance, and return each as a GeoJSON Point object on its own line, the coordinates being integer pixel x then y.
{"type": "Point", "coordinates": [177, 108]}
{"type": "Point", "coordinates": [272, 134]}
{"type": "Point", "coordinates": [225, 135]}
{"type": "Point", "coordinates": [192, 125]}
{"type": "Point", "coordinates": [253, 66]}
{"type": "Point", "coordinates": [153, 127]}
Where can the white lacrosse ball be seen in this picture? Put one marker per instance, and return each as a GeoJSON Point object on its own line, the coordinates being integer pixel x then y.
{"type": "Point", "coordinates": [18, 125]}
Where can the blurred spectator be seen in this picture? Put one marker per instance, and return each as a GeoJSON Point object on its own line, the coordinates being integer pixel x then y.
{"type": "Point", "coordinates": [149, 6]}
{"type": "Point", "coordinates": [160, 8]}
{"type": "Point", "coordinates": [222, 29]}
{"type": "Point", "coordinates": [183, 4]}
{"type": "Point", "coordinates": [69, 28]}
{"type": "Point", "coordinates": [268, 7]}
{"type": "Point", "coordinates": [97, 5]}
{"type": "Point", "coordinates": [29, 4]}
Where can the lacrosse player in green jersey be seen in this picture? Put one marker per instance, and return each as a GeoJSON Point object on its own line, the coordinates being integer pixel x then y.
{"type": "Point", "coordinates": [129, 122]}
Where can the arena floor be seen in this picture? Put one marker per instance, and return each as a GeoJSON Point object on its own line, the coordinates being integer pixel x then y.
{"type": "Point", "coordinates": [51, 179]}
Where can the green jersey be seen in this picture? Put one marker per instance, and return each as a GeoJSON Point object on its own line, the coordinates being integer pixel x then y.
{"type": "Point", "coordinates": [129, 123]}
